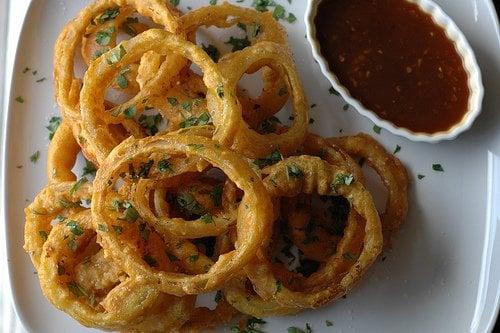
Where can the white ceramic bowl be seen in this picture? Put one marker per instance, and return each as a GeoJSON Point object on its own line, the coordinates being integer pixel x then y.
{"type": "Point", "coordinates": [463, 48]}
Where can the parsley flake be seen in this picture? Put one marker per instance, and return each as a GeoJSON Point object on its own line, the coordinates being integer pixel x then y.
{"type": "Point", "coordinates": [207, 218]}
{"type": "Point", "coordinates": [77, 185]}
{"type": "Point", "coordinates": [43, 234]}
{"type": "Point", "coordinates": [212, 51]}
{"type": "Point", "coordinates": [109, 14]}
{"type": "Point", "coordinates": [116, 55]}
{"type": "Point", "coordinates": [150, 123]}
{"type": "Point", "coordinates": [437, 167]}
{"type": "Point", "coordinates": [74, 228]}
{"type": "Point", "coordinates": [54, 123]}
{"type": "Point", "coordinates": [20, 99]}
{"type": "Point", "coordinates": [172, 101]}
{"type": "Point", "coordinates": [164, 165]}
{"type": "Point", "coordinates": [397, 149]}
{"type": "Point", "coordinates": [103, 37]}
{"type": "Point", "coordinates": [377, 129]}
{"type": "Point", "coordinates": [238, 43]}
{"type": "Point", "coordinates": [35, 156]}
{"type": "Point", "coordinates": [294, 171]}
{"type": "Point", "coordinates": [270, 159]}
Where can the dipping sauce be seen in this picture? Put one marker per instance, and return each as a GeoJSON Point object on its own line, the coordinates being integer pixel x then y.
{"type": "Point", "coordinates": [395, 60]}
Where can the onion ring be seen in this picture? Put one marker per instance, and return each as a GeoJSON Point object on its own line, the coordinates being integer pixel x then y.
{"type": "Point", "coordinates": [253, 213]}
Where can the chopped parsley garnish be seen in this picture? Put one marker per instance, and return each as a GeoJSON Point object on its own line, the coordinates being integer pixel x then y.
{"type": "Point", "coordinates": [109, 14]}
{"type": "Point", "coordinates": [74, 228]}
{"type": "Point", "coordinates": [150, 123]}
{"type": "Point", "coordinates": [279, 12]}
{"type": "Point", "coordinates": [419, 176]}
{"type": "Point", "coordinates": [261, 5]}
{"type": "Point", "coordinates": [328, 323]}
{"type": "Point", "coordinates": [376, 129]}
{"type": "Point", "coordinates": [207, 218]}
{"type": "Point", "coordinates": [128, 26]}
{"type": "Point", "coordinates": [252, 326]}
{"type": "Point", "coordinates": [294, 171]}
{"type": "Point", "coordinates": [212, 2]}
{"type": "Point", "coordinates": [218, 296]}
{"type": "Point", "coordinates": [102, 227]}
{"type": "Point", "coordinates": [437, 167]}
{"type": "Point", "coordinates": [117, 229]}
{"type": "Point", "coordinates": [216, 195]}
{"type": "Point", "coordinates": [311, 120]}
{"type": "Point", "coordinates": [68, 204]}
{"type": "Point", "coordinates": [279, 286]}
{"type": "Point", "coordinates": [116, 55]}
{"type": "Point", "coordinates": [238, 43]}
{"type": "Point", "coordinates": [342, 179]}
{"type": "Point", "coordinates": [77, 185]}
{"type": "Point", "coordinates": [144, 169]}
{"type": "Point", "coordinates": [35, 156]}
{"type": "Point", "coordinates": [195, 146]}
{"type": "Point", "coordinates": [20, 99]}
{"type": "Point", "coordinates": [270, 159]}
{"type": "Point", "coordinates": [89, 168]}
{"type": "Point", "coordinates": [345, 107]}
{"type": "Point", "coordinates": [203, 119]}
{"type": "Point", "coordinates": [175, 2]}
{"type": "Point", "coordinates": [150, 260]}
{"type": "Point", "coordinates": [313, 105]}
{"type": "Point", "coordinates": [164, 165]}
{"type": "Point", "coordinates": [291, 18]}
{"type": "Point", "coordinates": [130, 214]}
{"type": "Point", "coordinates": [41, 79]}
{"type": "Point", "coordinates": [54, 123]}
{"type": "Point", "coordinates": [193, 258]}
{"type": "Point", "coordinates": [121, 79]}
{"type": "Point", "coordinates": [26, 69]}
{"type": "Point", "coordinates": [189, 204]}
{"type": "Point", "coordinates": [103, 37]}
{"type": "Point", "coordinates": [97, 54]}
{"type": "Point", "coordinates": [268, 125]}
{"type": "Point", "coordinates": [43, 234]}
{"type": "Point", "coordinates": [172, 101]}
{"type": "Point", "coordinates": [333, 91]}
{"type": "Point", "coordinates": [252, 30]}
{"type": "Point", "coordinates": [220, 90]}
{"type": "Point", "coordinates": [186, 106]}
{"type": "Point", "coordinates": [76, 289]}
{"type": "Point", "coordinates": [212, 51]}
{"type": "Point", "coordinates": [73, 246]}
{"type": "Point", "coordinates": [397, 149]}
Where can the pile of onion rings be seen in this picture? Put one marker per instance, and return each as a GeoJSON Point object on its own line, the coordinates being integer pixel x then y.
{"type": "Point", "coordinates": [192, 186]}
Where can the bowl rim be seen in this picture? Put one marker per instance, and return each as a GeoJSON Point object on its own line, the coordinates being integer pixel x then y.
{"type": "Point", "coordinates": [463, 49]}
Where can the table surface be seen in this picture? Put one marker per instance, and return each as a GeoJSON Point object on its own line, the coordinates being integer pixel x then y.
{"type": "Point", "coordinates": [8, 39]}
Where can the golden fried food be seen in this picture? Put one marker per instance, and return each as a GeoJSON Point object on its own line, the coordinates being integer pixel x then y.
{"type": "Point", "coordinates": [197, 186]}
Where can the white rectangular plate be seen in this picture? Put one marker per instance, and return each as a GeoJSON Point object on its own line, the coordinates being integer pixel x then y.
{"type": "Point", "coordinates": [442, 274]}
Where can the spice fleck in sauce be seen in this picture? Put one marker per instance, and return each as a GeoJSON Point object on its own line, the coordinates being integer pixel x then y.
{"type": "Point", "coordinates": [395, 60]}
